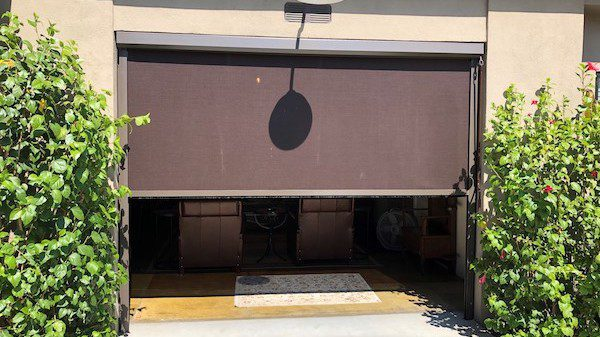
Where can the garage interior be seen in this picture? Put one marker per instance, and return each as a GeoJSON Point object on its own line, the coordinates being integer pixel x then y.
{"type": "Point", "coordinates": [278, 185]}
{"type": "Point", "coordinates": [405, 249]}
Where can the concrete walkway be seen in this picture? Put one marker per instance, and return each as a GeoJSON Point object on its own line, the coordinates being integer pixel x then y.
{"type": "Point", "coordinates": [443, 324]}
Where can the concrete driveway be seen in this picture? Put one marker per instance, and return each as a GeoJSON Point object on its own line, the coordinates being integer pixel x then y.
{"type": "Point", "coordinates": [429, 324]}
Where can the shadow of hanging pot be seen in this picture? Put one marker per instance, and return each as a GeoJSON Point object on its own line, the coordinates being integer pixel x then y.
{"type": "Point", "coordinates": [291, 121]}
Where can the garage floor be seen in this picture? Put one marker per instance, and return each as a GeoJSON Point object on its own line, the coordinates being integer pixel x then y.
{"type": "Point", "coordinates": [210, 296]}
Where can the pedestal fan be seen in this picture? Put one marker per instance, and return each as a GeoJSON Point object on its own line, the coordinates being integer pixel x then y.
{"type": "Point", "coordinates": [391, 227]}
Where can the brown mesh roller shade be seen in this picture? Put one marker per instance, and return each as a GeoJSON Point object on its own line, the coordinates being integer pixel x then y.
{"type": "Point", "coordinates": [231, 122]}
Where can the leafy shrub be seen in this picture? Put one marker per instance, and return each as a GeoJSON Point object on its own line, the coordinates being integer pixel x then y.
{"type": "Point", "coordinates": [541, 238]}
{"type": "Point", "coordinates": [59, 270]}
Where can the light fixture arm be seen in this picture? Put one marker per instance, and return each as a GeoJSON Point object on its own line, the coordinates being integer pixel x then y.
{"type": "Point", "coordinates": [300, 30]}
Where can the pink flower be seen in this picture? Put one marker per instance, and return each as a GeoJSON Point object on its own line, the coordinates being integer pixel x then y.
{"type": "Point", "coordinates": [534, 102]}
{"type": "Point", "coordinates": [592, 67]}
{"type": "Point", "coordinates": [548, 189]}
{"type": "Point", "coordinates": [552, 121]}
{"type": "Point", "coordinates": [482, 279]}
{"type": "Point", "coordinates": [594, 174]}
{"type": "Point", "coordinates": [502, 255]}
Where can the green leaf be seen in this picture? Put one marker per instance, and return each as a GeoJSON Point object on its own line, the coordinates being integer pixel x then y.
{"type": "Point", "coordinates": [529, 214]}
{"type": "Point", "coordinates": [85, 250]}
{"type": "Point", "coordinates": [10, 262]}
{"type": "Point", "coordinates": [31, 106]}
{"type": "Point", "coordinates": [36, 121]}
{"type": "Point", "coordinates": [59, 132]}
{"type": "Point", "coordinates": [15, 279]}
{"type": "Point", "coordinates": [9, 185]}
{"type": "Point", "coordinates": [10, 82]}
{"type": "Point", "coordinates": [75, 259]}
{"type": "Point", "coordinates": [142, 120]}
{"type": "Point", "coordinates": [551, 198]}
{"type": "Point", "coordinates": [83, 176]}
{"type": "Point", "coordinates": [567, 331]}
{"type": "Point", "coordinates": [59, 327]}
{"type": "Point", "coordinates": [97, 238]}
{"type": "Point", "coordinates": [56, 196]}
{"type": "Point", "coordinates": [77, 213]}
{"type": "Point", "coordinates": [37, 83]}
{"type": "Point", "coordinates": [18, 318]}
{"type": "Point", "coordinates": [66, 192]}
{"type": "Point", "coordinates": [15, 214]}
{"type": "Point", "coordinates": [60, 271]}
{"type": "Point", "coordinates": [70, 117]}
{"type": "Point", "coordinates": [28, 214]}
{"type": "Point", "coordinates": [92, 267]}
{"type": "Point", "coordinates": [59, 83]}
{"type": "Point", "coordinates": [59, 165]}
{"type": "Point", "coordinates": [576, 187]}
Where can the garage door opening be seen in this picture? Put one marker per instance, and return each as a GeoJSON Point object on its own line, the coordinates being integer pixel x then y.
{"type": "Point", "coordinates": [259, 187]}
{"type": "Point", "coordinates": [290, 257]}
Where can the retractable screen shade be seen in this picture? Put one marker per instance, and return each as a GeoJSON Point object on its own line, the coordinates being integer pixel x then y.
{"type": "Point", "coordinates": [259, 122]}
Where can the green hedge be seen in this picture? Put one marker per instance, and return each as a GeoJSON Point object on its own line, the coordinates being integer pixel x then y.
{"type": "Point", "coordinates": [541, 237]}
{"type": "Point", "coordinates": [59, 150]}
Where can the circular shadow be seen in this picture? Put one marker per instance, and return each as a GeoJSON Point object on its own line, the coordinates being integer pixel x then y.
{"type": "Point", "coordinates": [291, 121]}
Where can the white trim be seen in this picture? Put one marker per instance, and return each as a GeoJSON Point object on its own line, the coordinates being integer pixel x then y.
{"type": "Point", "coordinates": [254, 44]}
{"type": "Point", "coordinates": [289, 193]}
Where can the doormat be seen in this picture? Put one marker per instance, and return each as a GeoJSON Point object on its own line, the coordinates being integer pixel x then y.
{"type": "Point", "coordinates": [304, 289]}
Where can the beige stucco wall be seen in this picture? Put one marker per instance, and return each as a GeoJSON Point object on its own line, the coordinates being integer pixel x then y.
{"type": "Point", "coordinates": [89, 23]}
{"type": "Point", "coordinates": [432, 20]}
{"type": "Point", "coordinates": [530, 40]}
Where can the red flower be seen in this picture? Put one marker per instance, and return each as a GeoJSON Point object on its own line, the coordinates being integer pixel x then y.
{"type": "Point", "coordinates": [594, 174]}
{"type": "Point", "coordinates": [592, 67]}
{"type": "Point", "coordinates": [502, 254]}
{"type": "Point", "coordinates": [482, 279]}
{"type": "Point", "coordinates": [529, 115]}
{"type": "Point", "coordinates": [548, 189]}
{"type": "Point", "coordinates": [534, 102]}
{"type": "Point", "coordinates": [552, 121]}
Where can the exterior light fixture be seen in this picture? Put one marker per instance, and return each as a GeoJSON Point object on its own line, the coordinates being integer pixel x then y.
{"type": "Point", "coordinates": [320, 2]}
{"type": "Point", "coordinates": [309, 11]}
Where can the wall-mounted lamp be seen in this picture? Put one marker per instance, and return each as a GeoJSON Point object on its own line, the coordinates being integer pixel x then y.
{"type": "Point", "coordinates": [320, 2]}
{"type": "Point", "coordinates": [311, 11]}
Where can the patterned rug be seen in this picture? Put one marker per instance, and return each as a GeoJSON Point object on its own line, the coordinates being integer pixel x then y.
{"type": "Point", "coordinates": [306, 289]}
